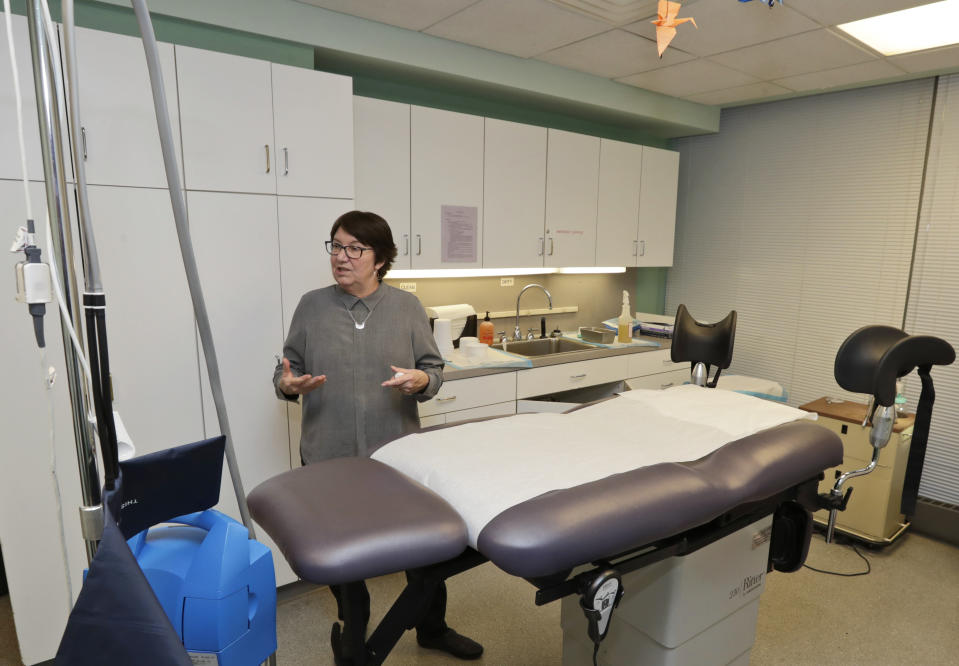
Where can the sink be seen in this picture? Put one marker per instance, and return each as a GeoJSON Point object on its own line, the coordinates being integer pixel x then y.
{"type": "Point", "coordinates": [543, 347]}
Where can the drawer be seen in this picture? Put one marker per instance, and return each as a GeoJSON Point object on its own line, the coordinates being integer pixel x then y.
{"type": "Point", "coordinates": [566, 376]}
{"type": "Point", "coordinates": [663, 380]}
{"type": "Point", "coordinates": [434, 420]}
{"type": "Point", "coordinates": [499, 409]}
{"type": "Point", "coordinates": [461, 394]}
{"type": "Point", "coordinates": [652, 363]}
{"type": "Point", "coordinates": [855, 443]}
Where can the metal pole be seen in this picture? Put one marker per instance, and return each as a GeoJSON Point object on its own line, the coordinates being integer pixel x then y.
{"type": "Point", "coordinates": [51, 149]}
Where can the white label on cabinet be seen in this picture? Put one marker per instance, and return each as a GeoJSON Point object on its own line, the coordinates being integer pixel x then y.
{"type": "Point", "coordinates": [459, 233]}
{"type": "Point", "coordinates": [408, 286]}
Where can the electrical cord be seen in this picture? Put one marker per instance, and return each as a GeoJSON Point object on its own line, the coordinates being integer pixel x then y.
{"type": "Point", "coordinates": [846, 575]}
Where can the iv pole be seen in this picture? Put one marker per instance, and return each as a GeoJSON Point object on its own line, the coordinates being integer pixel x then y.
{"type": "Point", "coordinates": [48, 113]}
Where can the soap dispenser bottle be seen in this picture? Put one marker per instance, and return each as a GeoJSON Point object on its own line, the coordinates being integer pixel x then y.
{"type": "Point", "coordinates": [625, 323]}
{"type": "Point", "coordinates": [486, 330]}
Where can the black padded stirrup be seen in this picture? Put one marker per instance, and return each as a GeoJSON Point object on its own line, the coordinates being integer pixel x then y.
{"type": "Point", "coordinates": [917, 449]}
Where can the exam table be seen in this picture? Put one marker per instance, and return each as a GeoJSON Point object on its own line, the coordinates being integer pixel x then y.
{"type": "Point", "coordinates": [349, 519]}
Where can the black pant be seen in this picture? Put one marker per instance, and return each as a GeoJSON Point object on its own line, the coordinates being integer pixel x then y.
{"type": "Point", "coordinates": [433, 622]}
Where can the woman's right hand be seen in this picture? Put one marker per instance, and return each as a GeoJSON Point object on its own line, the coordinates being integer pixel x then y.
{"type": "Point", "coordinates": [293, 385]}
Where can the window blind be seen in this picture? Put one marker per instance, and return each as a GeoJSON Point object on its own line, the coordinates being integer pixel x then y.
{"type": "Point", "coordinates": [801, 216]}
{"type": "Point", "coordinates": [933, 303]}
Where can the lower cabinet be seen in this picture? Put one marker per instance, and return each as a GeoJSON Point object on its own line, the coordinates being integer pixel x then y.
{"type": "Point", "coordinates": [550, 388]}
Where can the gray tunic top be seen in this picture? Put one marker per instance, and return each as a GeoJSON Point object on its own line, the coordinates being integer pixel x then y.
{"type": "Point", "coordinates": [351, 414]}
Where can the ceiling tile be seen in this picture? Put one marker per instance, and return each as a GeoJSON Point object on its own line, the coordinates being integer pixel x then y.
{"type": "Point", "coordinates": [725, 26]}
{"type": "Point", "coordinates": [876, 70]}
{"type": "Point", "coordinates": [945, 59]}
{"type": "Point", "coordinates": [409, 14]}
{"type": "Point", "coordinates": [834, 12]}
{"type": "Point", "coordinates": [688, 78]}
{"type": "Point", "coordinates": [523, 28]}
{"type": "Point", "coordinates": [613, 54]}
{"type": "Point", "coordinates": [751, 92]}
{"type": "Point", "coordinates": [807, 52]}
{"type": "Point", "coordinates": [614, 12]}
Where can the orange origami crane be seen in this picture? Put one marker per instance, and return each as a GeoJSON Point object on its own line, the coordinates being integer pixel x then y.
{"type": "Point", "coordinates": [666, 24]}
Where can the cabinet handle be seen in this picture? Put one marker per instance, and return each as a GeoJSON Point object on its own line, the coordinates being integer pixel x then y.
{"type": "Point", "coordinates": [642, 245]}
{"type": "Point", "coordinates": [666, 386]}
{"type": "Point", "coordinates": [542, 247]}
{"type": "Point", "coordinates": [406, 245]}
{"type": "Point", "coordinates": [83, 142]}
{"type": "Point", "coordinates": [286, 161]}
{"type": "Point", "coordinates": [579, 376]}
{"type": "Point", "coordinates": [551, 246]}
{"type": "Point", "coordinates": [267, 146]}
{"type": "Point", "coordinates": [419, 245]}
{"type": "Point", "coordinates": [635, 248]}
{"type": "Point", "coordinates": [452, 397]}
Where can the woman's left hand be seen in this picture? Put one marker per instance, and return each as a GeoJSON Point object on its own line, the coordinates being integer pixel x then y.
{"type": "Point", "coordinates": [407, 380]}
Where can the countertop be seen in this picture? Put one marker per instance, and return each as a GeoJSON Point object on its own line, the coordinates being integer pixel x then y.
{"type": "Point", "coordinates": [566, 357]}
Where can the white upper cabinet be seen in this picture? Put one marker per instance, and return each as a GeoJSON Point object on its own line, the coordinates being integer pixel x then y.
{"type": "Point", "coordinates": [381, 133]}
{"type": "Point", "coordinates": [514, 196]}
{"type": "Point", "coordinates": [120, 141]}
{"type": "Point", "coordinates": [620, 173]}
{"type": "Point", "coordinates": [657, 207]}
{"type": "Point", "coordinates": [313, 118]}
{"type": "Point", "coordinates": [226, 117]}
{"type": "Point", "coordinates": [446, 189]}
{"type": "Point", "coordinates": [10, 155]}
{"type": "Point", "coordinates": [572, 184]}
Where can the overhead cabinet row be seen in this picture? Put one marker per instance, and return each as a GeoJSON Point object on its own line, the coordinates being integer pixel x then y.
{"type": "Point", "coordinates": [246, 125]}
{"type": "Point", "coordinates": [463, 191]}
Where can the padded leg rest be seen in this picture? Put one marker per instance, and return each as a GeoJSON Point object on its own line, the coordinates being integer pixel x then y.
{"type": "Point", "coordinates": [390, 523]}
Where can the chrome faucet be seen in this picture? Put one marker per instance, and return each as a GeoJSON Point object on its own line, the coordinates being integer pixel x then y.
{"type": "Point", "coordinates": [517, 333]}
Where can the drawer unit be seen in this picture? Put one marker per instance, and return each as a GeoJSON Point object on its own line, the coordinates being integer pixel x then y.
{"type": "Point", "coordinates": [566, 376]}
{"type": "Point", "coordinates": [498, 409]}
{"type": "Point", "coordinates": [460, 394]}
{"type": "Point", "coordinates": [652, 363]}
{"type": "Point", "coordinates": [660, 381]}
{"type": "Point", "coordinates": [873, 511]}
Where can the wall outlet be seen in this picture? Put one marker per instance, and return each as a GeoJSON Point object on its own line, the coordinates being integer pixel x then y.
{"type": "Point", "coordinates": [506, 282]}
{"type": "Point", "coordinates": [408, 286]}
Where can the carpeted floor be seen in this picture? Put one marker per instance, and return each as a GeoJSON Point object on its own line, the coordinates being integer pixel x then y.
{"type": "Point", "coordinates": [905, 611]}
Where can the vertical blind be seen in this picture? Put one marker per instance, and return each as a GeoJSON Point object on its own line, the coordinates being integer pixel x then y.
{"type": "Point", "coordinates": [933, 303]}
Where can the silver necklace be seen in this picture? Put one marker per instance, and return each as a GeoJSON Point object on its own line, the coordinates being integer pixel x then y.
{"type": "Point", "coordinates": [360, 325]}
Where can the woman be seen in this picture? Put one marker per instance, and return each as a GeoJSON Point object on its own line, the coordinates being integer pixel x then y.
{"type": "Point", "coordinates": [361, 354]}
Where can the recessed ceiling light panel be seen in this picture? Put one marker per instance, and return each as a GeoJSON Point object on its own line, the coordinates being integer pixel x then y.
{"type": "Point", "coordinates": [917, 29]}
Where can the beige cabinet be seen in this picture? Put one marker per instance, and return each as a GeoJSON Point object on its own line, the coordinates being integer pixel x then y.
{"type": "Point", "coordinates": [657, 207]}
{"type": "Point", "coordinates": [873, 510]}
{"type": "Point", "coordinates": [446, 189]}
{"type": "Point", "coordinates": [470, 398]}
{"type": "Point", "coordinates": [572, 192]}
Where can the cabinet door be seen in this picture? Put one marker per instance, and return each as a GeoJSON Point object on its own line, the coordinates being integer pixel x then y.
{"type": "Point", "coordinates": [121, 141]}
{"type": "Point", "coordinates": [226, 119]}
{"type": "Point", "coordinates": [304, 225]}
{"type": "Point", "coordinates": [657, 207]}
{"type": "Point", "coordinates": [237, 249]}
{"type": "Point", "coordinates": [382, 167]}
{"type": "Point", "coordinates": [572, 186]}
{"type": "Point", "coordinates": [313, 117]}
{"type": "Point", "coordinates": [620, 173]}
{"type": "Point", "coordinates": [153, 357]}
{"type": "Point", "coordinates": [10, 155]}
{"type": "Point", "coordinates": [446, 188]}
{"type": "Point", "coordinates": [514, 196]}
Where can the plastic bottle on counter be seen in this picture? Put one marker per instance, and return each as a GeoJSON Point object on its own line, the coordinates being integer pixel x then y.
{"type": "Point", "coordinates": [625, 323]}
{"type": "Point", "coordinates": [486, 330]}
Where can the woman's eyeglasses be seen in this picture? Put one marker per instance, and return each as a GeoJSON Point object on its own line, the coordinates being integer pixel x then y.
{"type": "Point", "coordinates": [352, 251]}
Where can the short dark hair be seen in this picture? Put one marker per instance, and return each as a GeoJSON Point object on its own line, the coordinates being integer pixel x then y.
{"type": "Point", "coordinates": [372, 230]}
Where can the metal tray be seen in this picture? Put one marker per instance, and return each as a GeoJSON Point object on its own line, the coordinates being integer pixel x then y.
{"type": "Point", "coordinates": [600, 335]}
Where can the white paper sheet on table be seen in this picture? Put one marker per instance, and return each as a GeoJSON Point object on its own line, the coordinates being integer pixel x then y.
{"type": "Point", "coordinates": [484, 468]}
